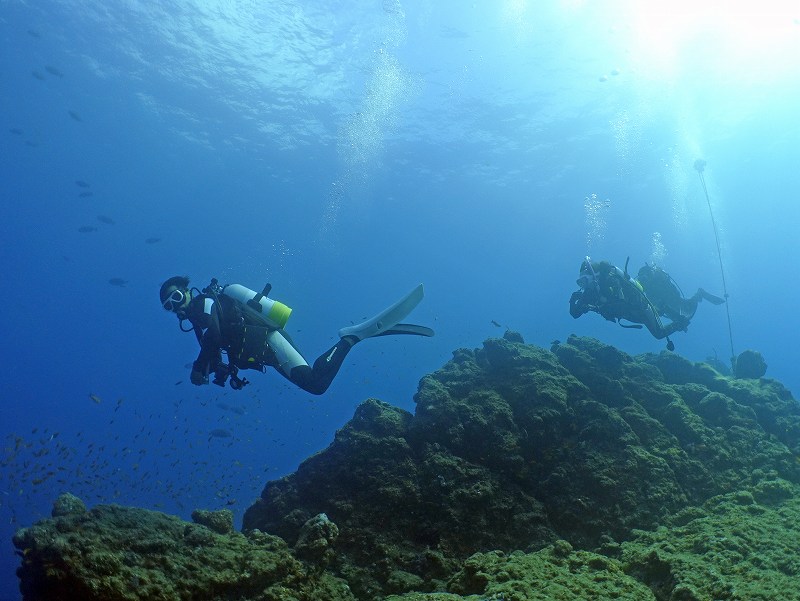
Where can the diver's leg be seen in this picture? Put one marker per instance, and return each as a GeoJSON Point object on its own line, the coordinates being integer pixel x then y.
{"type": "Point", "coordinates": [656, 330]}
{"type": "Point", "coordinates": [688, 307]}
{"type": "Point", "coordinates": [654, 325]}
{"type": "Point", "coordinates": [318, 378]}
{"type": "Point", "coordinates": [293, 366]}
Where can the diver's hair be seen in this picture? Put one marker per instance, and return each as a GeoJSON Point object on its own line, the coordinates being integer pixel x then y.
{"type": "Point", "coordinates": [178, 281]}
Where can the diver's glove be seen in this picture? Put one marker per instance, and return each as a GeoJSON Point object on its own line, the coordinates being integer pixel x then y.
{"type": "Point", "coordinates": [198, 376]}
{"type": "Point", "coordinates": [577, 305]}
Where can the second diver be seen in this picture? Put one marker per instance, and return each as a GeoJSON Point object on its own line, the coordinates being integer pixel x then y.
{"type": "Point", "coordinates": [610, 291]}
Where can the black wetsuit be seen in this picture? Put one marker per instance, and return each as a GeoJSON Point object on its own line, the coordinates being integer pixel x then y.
{"type": "Point", "coordinates": [221, 324]}
{"type": "Point", "coordinates": [667, 297]}
{"type": "Point", "coordinates": [615, 296]}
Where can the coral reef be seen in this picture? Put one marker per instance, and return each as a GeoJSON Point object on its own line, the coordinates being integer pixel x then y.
{"type": "Point", "coordinates": [571, 473]}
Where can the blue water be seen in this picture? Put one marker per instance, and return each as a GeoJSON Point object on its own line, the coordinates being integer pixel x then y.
{"type": "Point", "coordinates": [344, 152]}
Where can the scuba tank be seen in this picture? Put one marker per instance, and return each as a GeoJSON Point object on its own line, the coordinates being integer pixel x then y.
{"type": "Point", "coordinates": [258, 306]}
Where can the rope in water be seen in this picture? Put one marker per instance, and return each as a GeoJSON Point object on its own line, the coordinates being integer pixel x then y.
{"type": "Point", "coordinates": [700, 165]}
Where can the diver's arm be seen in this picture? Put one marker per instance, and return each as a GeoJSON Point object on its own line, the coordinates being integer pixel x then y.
{"type": "Point", "coordinates": [577, 306]}
{"type": "Point", "coordinates": [210, 340]}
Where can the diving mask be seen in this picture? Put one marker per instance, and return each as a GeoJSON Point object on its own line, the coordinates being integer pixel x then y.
{"type": "Point", "coordinates": [175, 300]}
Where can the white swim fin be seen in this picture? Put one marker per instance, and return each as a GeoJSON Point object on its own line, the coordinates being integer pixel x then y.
{"type": "Point", "coordinates": [387, 319]}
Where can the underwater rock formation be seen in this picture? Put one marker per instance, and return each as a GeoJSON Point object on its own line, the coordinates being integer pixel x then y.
{"type": "Point", "coordinates": [513, 447]}
{"type": "Point", "coordinates": [119, 553]}
{"type": "Point", "coordinates": [749, 364]}
{"type": "Point", "coordinates": [564, 474]}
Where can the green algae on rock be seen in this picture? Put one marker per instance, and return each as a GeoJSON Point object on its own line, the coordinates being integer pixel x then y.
{"type": "Point", "coordinates": [68, 504]}
{"type": "Point", "coordinates": [114, 553]}
{"type": "Point", "coordinates": [220, 521]}
{"type": "Point", "coordinates": [578, 472]}
{"type": "Point", "coordinates": [513, 447]}
{"type": "Point", "coordinates": [731, 548]}
{"type": "Point", "coordinates": [555, 573]}
{"type": "Point", "coordinates": [749, 364]}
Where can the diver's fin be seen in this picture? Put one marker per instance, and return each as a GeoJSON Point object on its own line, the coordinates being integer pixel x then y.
{"type": "Point", "coordinates": [386, 319]}
{"type": "Point", "coordinates": [714, 300]}
{"type": "Point", "coordinates": [408, 328]}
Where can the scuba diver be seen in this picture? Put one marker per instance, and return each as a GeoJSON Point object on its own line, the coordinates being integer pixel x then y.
{"type": "Point", "coordinates": [611, 292]}
{"type": "Point", "coordinates": [667, 296]}
{"type": "Point", "coordinates": [248, 328]}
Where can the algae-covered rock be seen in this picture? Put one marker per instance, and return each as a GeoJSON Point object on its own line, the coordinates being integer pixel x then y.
{"type": "Point", "coordinates": [730, 548]}
{"type": "Point", "coordinates": [114, 553]}
{"type": "Point", "coordinates": [749, 364]}
{"type": "Point", "coordinates": [514, 447]}
{"type": "Point", "coordinates": [551, 574]}
{"type": "Point", "coordinates": [220, 521]}
{"type": "Point", "coordinates": [315, 542]}
{"type": "Point", "coordinates": [68, 504]}
{"type": "Point", "coordinates": [555, 573]}
{"type": "Point", "coordinates": [578, 472]}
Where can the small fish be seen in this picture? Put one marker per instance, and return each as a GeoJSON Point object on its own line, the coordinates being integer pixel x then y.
{"type": "Point", "coordinates": [16, 131]}
{"type": "Point", "coordinates": [82, 184]}
{"type": "Point", "coordinates": [33, 33]}
{"type": "Point", "coordinates": [85, 194]}
{"type": "Point", "coordinates": [84, 229]}
{"type": "Point", "coordinates": [220, 433]}
{"type": "Point", "coordinates": [37, 75]}
{"type": "Point", "coordinates": [178, 383]}
{"type": "Point", "coordinates": [118, 282]}
{"type": "Point", "coordinates": [495, 324]}
{"type": "Point", "coordinates": [53, 71]}
{"type": "Point", "coordinates": [105, 219]}
{"type": "Point", "coordinates": [152, 240]}
{"type": "Point", "coordinates": [95, 398]}
{"type": "Point", "coordinates": [75, 116]}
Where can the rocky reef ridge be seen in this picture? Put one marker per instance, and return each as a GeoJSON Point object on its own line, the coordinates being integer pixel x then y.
{"type": "Point", "coordinates": [525, 473]}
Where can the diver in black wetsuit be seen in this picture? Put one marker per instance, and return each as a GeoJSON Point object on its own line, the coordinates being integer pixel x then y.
{"type": "Point", "coordinates": [609, 291]}
{"type": "Point", "coordinates": [667, 296]}
{"type": "Point", "coordinates": [248, 328]}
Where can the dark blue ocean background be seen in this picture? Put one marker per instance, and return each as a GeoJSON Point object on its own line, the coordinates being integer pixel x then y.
{"type": "Point", "coordinates": [344, 152]}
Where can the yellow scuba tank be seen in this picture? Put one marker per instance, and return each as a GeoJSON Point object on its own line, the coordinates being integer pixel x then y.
{"type": "Point", "coordinates": [258, 306]}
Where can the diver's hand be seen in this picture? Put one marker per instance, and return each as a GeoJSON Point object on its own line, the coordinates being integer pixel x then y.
{"type": "Point", "coordinates": [577, 305]}
{"type": "Point", "coordinates": [682, 323]}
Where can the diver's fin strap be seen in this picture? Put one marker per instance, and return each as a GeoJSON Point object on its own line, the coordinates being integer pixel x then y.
{"type": "Point", "coordinates": [408, 328]}
{"type": "Point", "coordinates": [255, 302]}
